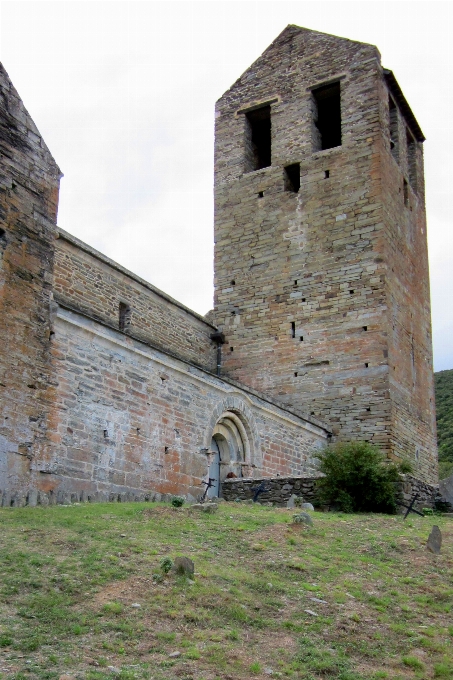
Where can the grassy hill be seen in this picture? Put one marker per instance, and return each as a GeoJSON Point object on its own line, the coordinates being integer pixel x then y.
{"type": "Point", "coordinates": [443, 382]}
{"type": "Point", "coordinates": [358, 597]}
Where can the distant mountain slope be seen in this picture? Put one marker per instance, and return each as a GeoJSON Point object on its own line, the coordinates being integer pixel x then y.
{"type": "Point", "coordinates": [443, 383]}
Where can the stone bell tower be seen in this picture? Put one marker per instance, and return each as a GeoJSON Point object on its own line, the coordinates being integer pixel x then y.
{"type": "Point", "coordinates": [321, 266]}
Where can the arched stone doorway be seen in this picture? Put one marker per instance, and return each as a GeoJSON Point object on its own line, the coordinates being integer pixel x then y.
{"type": "Point", "coordinates": [229, 451]}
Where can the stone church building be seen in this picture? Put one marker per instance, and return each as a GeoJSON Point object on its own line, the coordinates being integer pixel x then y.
{"type": "Point", "coordinates": [321, 323]}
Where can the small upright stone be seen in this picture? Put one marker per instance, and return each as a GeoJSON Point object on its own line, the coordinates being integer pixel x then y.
{"type": "Point", "coordinates": [291, 503]}
{"type": "Point", "coordinates": [303, 518]}
{"type": "Point", "coordinates": [183, 566]}
{"type": "Point", "coordinates": [434, 543]}
{"type": "Point", "coordinates": [307, 506]}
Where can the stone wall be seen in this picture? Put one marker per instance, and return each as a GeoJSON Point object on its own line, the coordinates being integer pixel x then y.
{"type": "Point", "coordinates": [29, 182]}
{"type": "Point", "coordinates": [322, 293]}
{"type": "Point", "coordinates": [87, 281]}
{"type": "Point", "coordinates": [131, 421]}
{"type": "Point", "coordinates": [282, 488]}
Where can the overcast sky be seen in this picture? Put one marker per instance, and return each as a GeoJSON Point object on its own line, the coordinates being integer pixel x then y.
{"type": "Point", "coordinates": [123, 94]}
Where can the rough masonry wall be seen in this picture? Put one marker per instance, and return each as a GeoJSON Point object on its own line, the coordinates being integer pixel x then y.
{"type": "Point", "coordinates": [131, 420]}
{"type": "Point", "coordinates": [87, 281]}
{"type": "Point", "coordinates": [29, 181]}
{"type": "Point", "coordinates": [411, 384]}
{"type": "Point", "coordinates": [304, 288]}
{"type": "Point", "coordinates": [313, 258]}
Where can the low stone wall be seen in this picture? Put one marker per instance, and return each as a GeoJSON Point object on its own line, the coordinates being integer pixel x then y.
{"type": "Point", "coordinates": [427, 493]}
{"type": "Point", "coordinates": [280, 489]}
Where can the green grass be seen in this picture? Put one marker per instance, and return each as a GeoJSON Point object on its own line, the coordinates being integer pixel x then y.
{"type": "Point", "coordinates": [70, 575]}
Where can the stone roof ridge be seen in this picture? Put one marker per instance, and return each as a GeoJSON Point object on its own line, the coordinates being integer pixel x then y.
{"type": "Point", "coordinates": [17, 119]}
{"type": "Point", "coordinates": [284, 36]}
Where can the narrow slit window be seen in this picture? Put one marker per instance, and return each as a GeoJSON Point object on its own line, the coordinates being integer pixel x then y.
{"type": "Point", "coordinates": [258, 139]}
{"type": "Point", "coordinates": [393, 119]}
{"type": "Point", "coordinates": [293, 329]}
{"type": "Point", "coordinates": [292, 177]}
{"type": "Point", "coordinates": [412, 160]}
{"type": "Point", "coordinates": [124, 316]}
{"type": "Point", "coordinates": [327, 116]}
{"type": "Point", "coordinates": [405, 193]}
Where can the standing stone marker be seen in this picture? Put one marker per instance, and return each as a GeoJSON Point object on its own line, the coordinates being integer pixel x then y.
{"type": "Point", "coordinates": [434, 540]}
{"type": "Point", "coordinates": [183, 566]}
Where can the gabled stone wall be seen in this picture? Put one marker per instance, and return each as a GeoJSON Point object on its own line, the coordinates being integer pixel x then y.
{"type": "Point", "coordinates": [323, 293]}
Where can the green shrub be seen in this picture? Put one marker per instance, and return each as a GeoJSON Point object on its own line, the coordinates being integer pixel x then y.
{"type": "Point", "coordinates": [177, 501]}
{"type": "Point", "coordinates": [358, 478]}
{"type": "Point", "coordinates": [166, 564]}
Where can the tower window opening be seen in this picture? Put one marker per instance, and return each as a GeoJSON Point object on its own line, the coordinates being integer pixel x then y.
{"type": "Point", "coordinates": [412, 160]}
{"type": "Point", "coordinates": [365, 328]}
{"type": "Point", "coordinates": [293, 329]}
{"type": "Point", "coordinates": [394, 138]}
{"type": "Point", "coordinates": [292, 178]}
{"type": "Point", "coordinates": [258, 138]}
{"type": "Point", "coordinates": [301, 338]}
{"type": "Point", "coordinates": [327, 116]}
{"type": "Point", "coordinates": [260, 194]}
{"type": "Point", "coordinates": [326, 174]}
{"type": "Point", "coordinates": [125, 315]}
{"type": "Point", "coordinates": [405, 193]}
{"type": "Point", "coordinates": [295, 374]}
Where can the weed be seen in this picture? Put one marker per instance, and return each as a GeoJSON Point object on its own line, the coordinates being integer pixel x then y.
{"type": "Point", "coordinates": [166, 564]}
{"type": "Point", "coordinates": [112, 608]}
{"type": "Point", "coordinates": [413, 662]}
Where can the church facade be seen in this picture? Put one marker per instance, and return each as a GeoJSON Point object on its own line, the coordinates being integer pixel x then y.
{"type": "Point", "coordinates": [110, 389]}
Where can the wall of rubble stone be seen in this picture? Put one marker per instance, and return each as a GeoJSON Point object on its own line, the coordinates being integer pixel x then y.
{"type": "Point", "coordinates": [131, 421]}
{"type": "Point", "coordinates": [29, 183]}
{"type": "Point", "coordinates": [323, 293]}
{"type": "Point", "coordinates": [280, 490]}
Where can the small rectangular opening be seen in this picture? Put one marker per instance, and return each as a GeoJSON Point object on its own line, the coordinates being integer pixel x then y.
{"type": "Point", "coordinates": [394, 138]}
{"type": "Point", "coordinates": [258, 139]}
{"type": "Point", "coordinates": [327, 116]}
{"type": "Point", "coordinates": [412, 160]}
{"type": "Point", "coordinates": [405, 192]}
{"type": "Point", "coordinates": [292, 177]}
{"type": "Point", "coordinates": [326, 174]}
{"type": "Point", "coordinates": [124, 316]}
{"type": "Point", "coordinates": [293, 329]}
{"type": "Point", "coordinates": [301, 338]}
